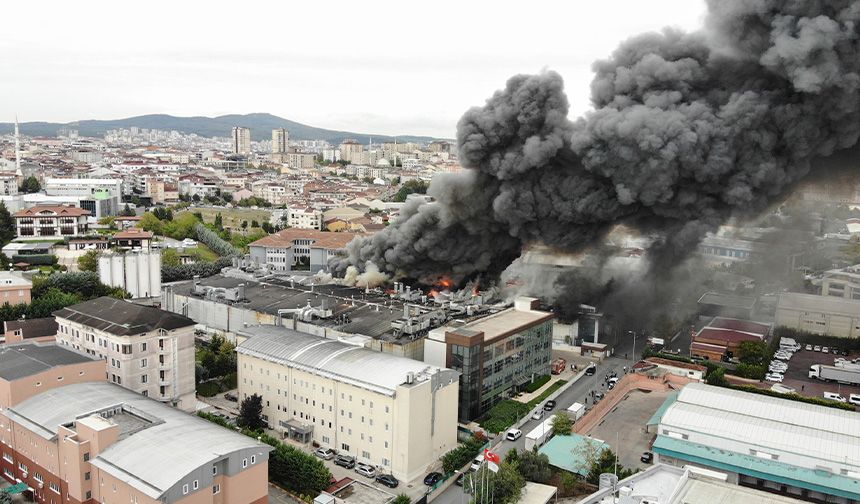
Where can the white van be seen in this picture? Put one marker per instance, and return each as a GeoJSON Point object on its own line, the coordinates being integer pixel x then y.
{"type": "Point", "coordinates": [834, 397]}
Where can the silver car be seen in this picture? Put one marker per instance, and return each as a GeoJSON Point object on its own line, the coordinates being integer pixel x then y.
{"type": "Point", "coordinates": [365, 470]}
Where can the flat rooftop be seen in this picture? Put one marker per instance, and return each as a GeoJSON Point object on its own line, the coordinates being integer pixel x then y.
{"type": "Point", "coordinates": [727, 300]}
{"type": "Point", "coordinates": [26, 359]}
{"type": "Point", "coordinates": [812, 302]}
{"type": "Point", "coordinates": [505, 322]}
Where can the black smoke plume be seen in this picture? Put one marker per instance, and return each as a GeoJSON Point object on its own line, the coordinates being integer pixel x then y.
{"type": "Point", "coordinates": [688, 129]}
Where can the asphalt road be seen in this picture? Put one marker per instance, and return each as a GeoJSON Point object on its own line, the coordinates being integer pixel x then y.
{"type": "Point", "coordinates": [576, 393]}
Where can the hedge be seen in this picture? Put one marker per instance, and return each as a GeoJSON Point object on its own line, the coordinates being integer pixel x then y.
{"type": "Point", "coordinates": [546, 393]}
{"type": "Point", "coordinates": [539, 382]}
{"type": "Point", "coordinates": [35, 259]}
{"type": "Point", "coordinates": [208, 389]}
{"type": "Point", "coordinates": [504, 414]}
{"type": "Point", "coordinates": [820, 401]}
{"type": "Point", "coordinates": [463, 453]}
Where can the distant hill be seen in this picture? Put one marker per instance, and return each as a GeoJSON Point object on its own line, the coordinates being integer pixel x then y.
{"type": "Point", "coordinates": [261, 127]}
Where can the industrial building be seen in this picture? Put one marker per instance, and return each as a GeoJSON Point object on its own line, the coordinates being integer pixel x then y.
{"type": "Point", "coordinates": [392, 321]}
{"type": "Point", "coordinates": [804, 451]}
{"type": "Point", "coordinates": [395, 413]}
{"type": "Point", "coordinates": [293, 248]}
{"type": "Point", "coordinates": [147, 350]}
{"type": "Point", "coordinates": [727, 305]}
{"type": "Point", "coordinates": [495, 355]}
{"type": "Point", "coordinates": [819, 314]}
{"type": "Point", "coordinates": [94, 442]}
{"type": "Point", "coordinates": [842, 283]}
{"type": "Point", "coordinates": [721, 338]}
{"type": "Point", "coordinates": [136, 271]}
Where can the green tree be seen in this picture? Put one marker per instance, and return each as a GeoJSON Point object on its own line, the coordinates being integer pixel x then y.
{"type": "Point", "coordinates": [255, 224]}
{"type": "Point", "coordinates": [244, 224]}
{"type": "Point", "coordinates": [401, 499]}
{"type": "Point", "coordinates": [267, 227]}
{"type": "Point", "coordinates": [5, 498]}
{"type": "Point", "coordinates": [512, 456]}
{"type": "Point", "coordinates": [251, 413]}
{"type": "Point", "coordinates": [170, 257]}
{"type": "Point", "coordinates": [752, 352]}
{"type": "Point", "coordinates": [4, 262]}
{"type": "Point", "coordinates": [163, 213]}
{"type": "Point", "coordinates": [31, 185]}
{"type": "Point", "coordinates": [89, 261]}
{"type": "Point", "coordinates": [219, 222]}
{"type": "Point", "coordinates": [717, 377]}
{"type": "Point", "coordinates": [561, 424]}
{"type": "Point", "coordinates": [51, 301]}
{"type": "Point", "coordinates": [7, 226]}
{"type": "Point", "coordinates": [150, 222]}
{"type": "Point", "coordinates": [127, 211]}
{"type": "Point", "coordinates": [502, 487]}
{"type": "Point", "coordinates": [534, 466]}
{"type": "Point", "coordinates": [414, 186]}
{"type": "Point", "coordinates": [606, 462]}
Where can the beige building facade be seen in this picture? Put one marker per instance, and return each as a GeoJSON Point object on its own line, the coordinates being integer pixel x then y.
{"type": "Point", "coordinates": [394, 413]}
{"type": "Point", "coordinates": [147, 350]}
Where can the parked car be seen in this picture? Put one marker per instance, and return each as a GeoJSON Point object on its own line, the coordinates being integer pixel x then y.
{"type": "Point", "coordinates": [833, 396]}
{"type": "Point", "coordinates": [590, 370]}
{"type": "Point", "coordinates": [817, 348]}
{"type": "Point", "coordinates": [325, 453]}
{"type": "Point", "coordinates": [612, 381]}
{"type": "Point", "coordinates": [387, 480]}
{"type": "Point", "coordinates": [476, 463]}
{"type": "Point", "coordinates": [365, 470]}
{"type": "Point", "coordinates": [549, 405]}
{"type": "Point", "coordinates": [231, 397]}
{"type": "Point", "coordinates": [345, 461]}
{"type": "Point", "coordinates": [774, 377]}
{"type": "Point", "coordinates": [844, 352]}
{"type": "Point", "coordinates": [537, 415]}
{"type": "Point", "coordinates": [432, 478]}
{"type": "Point", "coordinates": [808, 346]}
{"type": "Point", "coordinates": [854, 399]}
{"type": "Point", "coordinates": [834, 350]}
{"type": "Point", "coordinates": [513, 434]}
{"type": "Point", "coordinates": [825, 349]}
{"type": "Point", "coordinates": [647, 457]}
{"type": "Point", "coordinates": [597, 397]}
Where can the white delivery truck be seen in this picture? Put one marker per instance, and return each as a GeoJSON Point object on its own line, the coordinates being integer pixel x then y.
{"type": "Point", "coordinates": [539, 435]}
{"type": "Point", "coordinates": [823, 372]}
{"type": "Point", "coordinates": [576, 411]}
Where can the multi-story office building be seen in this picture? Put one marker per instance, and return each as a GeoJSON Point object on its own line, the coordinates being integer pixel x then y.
{"type": "Point", "coordinates": [844, 283]}
{"type": "Point", "coordinates": [495, 355]}
{"type": "Point", "coordinates": [51, 222]}
{"type": "Point", "coordinates": [95, 442]}
{"type": "Point", "coordinates": [280, 141]}
{"type": "Point", "coordinates": [147, 350]}
{"type": "Point", "coordinates": [782, 446]}
{"type": "Point", "coordinates": [101, 197]}
{"type": "Point", "coordinates": [392, 412]}
{"type": "Point", "coordinates": [241, 140]}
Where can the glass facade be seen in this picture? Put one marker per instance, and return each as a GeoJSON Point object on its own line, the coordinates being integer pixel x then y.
{"type": "Point", "coordinates": [491, 371]}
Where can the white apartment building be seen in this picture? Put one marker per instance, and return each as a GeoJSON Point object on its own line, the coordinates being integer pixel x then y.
{"type": "Point", "coordinates": [304, 218]}
{"type": "Point", "coordinates": [147, 350]}
{"type": "Point", "coordinates": [8, 184]}
{"type": "Point", "coordinates": [90, 189]}
{"type": "Point", "coordinates": [844, 283]}
{"type": "Point", "coordinates": [280, 141]}
{"type": "Point", "coordinates": [392, 412]}
{"type": "Point", "coordinates": [276, 194]}
{"type": "Point", "coordinates": [241, 140]}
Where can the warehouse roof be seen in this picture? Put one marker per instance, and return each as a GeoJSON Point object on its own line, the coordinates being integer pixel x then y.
{"type": "Point", "coordinates": [727, 335]}
{"type": "Point", "coordinates": [740, 325]}
{"type": "Point", "coordinates": [122, 318]}
{"type": "Point", "coordinates": [358, 366]}
{"type": "Point", "coordinates": [727, 300]}
{"type": "Point", "coordinates": [814, 303]}
{"type": "Point", "coordinates": [771, 423]}
{"type": "Point", "coordinates": [26, 359]}
{"type": "Point", "coordinates": [181, 443]}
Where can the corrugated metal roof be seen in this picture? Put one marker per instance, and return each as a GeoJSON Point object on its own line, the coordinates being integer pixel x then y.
{"type": "Point", "coordinates": [152, 459]}
{"type": "Point", "coordinates": [333, 359]}
{"type": "Point", "coordinates": [767, 422]}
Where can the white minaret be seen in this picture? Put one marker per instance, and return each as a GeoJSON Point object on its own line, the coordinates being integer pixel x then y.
{"type": "Point", "coordinates": [18, 171]}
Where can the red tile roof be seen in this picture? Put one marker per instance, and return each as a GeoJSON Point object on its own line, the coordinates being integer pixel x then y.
{"type": "Point", "coordinates": [59, 210]}
{"type": "Point", "coordinates": [132, 234]}
{"type": "Point", "coordinates": [709, 334]}
{"type": "Point", "coordinates": [321, 239]}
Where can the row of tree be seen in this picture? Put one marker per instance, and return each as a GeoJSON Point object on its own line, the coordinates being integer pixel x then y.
{"type": "Point", "coordinates": [56, 291]}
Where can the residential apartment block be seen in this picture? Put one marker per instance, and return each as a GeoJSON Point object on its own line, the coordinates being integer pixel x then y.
{"type": "Point", "coordinates": [285, 249]}
{"type": "Point", "coordinates": [392, 412]}
{"type": "Point", "coordinates": [14, 288]}
{"type": "Point", "coordinates": [51, 222]}
{"type": "Point", "coordinates": [495, 355]}
{"type": "Point", "coordinates": [241, 140]}
{"type": "Point", "coordinates": [95, 442]}
{"type": "Point", "coordinates": [147, 350]}
{"type": "Point", "coordinates": [304, 218]}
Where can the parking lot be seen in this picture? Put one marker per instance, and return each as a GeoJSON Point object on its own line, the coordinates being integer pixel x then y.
{"type": "Point", "coordinates": [627, 420]}
{"type": "Point", "coordinates": [797, 375]}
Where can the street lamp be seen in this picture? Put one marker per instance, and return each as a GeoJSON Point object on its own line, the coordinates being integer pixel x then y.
{"type": "Point", "coordinates": [633, 357]}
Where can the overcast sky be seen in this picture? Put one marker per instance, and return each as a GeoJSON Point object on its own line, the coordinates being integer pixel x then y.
{"type": "Point", "coordinates": [377, 67]}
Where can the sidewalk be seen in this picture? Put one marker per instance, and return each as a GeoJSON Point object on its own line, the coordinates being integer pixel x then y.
{"type": "Point", "coordinates": [525, 397]}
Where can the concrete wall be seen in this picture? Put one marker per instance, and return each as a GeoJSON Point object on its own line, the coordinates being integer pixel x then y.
{"type": "Point", "coordinates": [12, 393]}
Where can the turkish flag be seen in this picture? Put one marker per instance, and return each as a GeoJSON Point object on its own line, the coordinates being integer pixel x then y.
{"type": "Point", "coordinates": [492, 457]}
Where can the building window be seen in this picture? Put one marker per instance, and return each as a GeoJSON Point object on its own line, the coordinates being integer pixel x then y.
{"type": "Point", "coordinates": [185, 489]}
{"type": "Point", "coordinates": [244, 463]}
{"type": "Point", "coordinates": [344, 447]}
{"type": "Point", "coordinates": [214, 470]}
{"type": "Point", "coordinates": [253, 459]}
{"type": "Point", "coordinates": [365, 454]}
{"type": "Point", "coordinates": [195, 485]}
{"type": "Point", "coordinates": [143, 347]}
{"type": "Point", "coordinates": [144, 378]}
{"type": "Point", "coordinates": [55, 487]}
{"type": "Point", "coordinates": [87, 457]}
{"type": "Point", "coordinates": [87, 476]}
{"type": "Point", "coordinates": [143, 363]}
{"type": "Point", "coordinates": [216, 489]}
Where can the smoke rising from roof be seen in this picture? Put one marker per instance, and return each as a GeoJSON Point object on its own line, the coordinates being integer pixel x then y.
{"type": "Point", "coordinates": [688, 130]}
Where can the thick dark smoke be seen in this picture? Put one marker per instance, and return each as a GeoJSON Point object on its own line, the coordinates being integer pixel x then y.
{"type": "Point", "coordinates": [688, 130]}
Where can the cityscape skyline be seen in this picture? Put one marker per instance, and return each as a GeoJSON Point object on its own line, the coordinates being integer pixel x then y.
{"type": "Point", "coordinates": [393, 83]}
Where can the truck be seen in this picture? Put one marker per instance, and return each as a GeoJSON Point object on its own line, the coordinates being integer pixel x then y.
{"type": "Point", "coordinates": [576, 411]}
{"type": "Point", "coordinates": [558, 366]}
{"type": "Point", "coordinates": [848, 376]}
{"type": "Point", "coordinates": [540, 434]}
